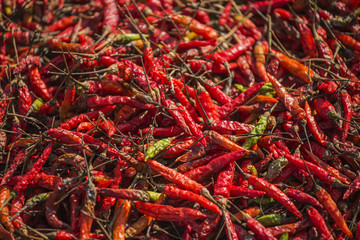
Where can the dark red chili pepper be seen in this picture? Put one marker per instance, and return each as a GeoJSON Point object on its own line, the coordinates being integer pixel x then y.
{"type": "Point", "coordinates": [272, 191]}
{"type": "Point", "coordinates": [226, 109]}
{"type": "Point", "coordinates": [347, 107]}
{"type": "Point", "coordinates": [260, 231]}
{"type": "Point", "coordinates": [38, 84]}
{"type": "Point", "coordinates": [314, 126]}
{"type": "Point", "coordinates": [302, 197]}
{"type": "Point", "coordinates": [214, 165]}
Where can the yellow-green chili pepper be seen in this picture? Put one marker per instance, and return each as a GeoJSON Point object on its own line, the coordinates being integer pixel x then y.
{"type": "Point", "coordinates": [257, 131]}
{"type": "Point", "coordinates": [153, 150]}
{"type": "Point", "coordinates": [270, 220]}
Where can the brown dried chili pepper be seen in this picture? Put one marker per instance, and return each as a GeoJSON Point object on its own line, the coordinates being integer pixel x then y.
{"type": "Point", "coordinates": [174, 192]}
{"type": "Point", "coordinates": [330, 206]}
{"type": "Point", "coordinates": [169, 213]}
{"type": "Point", "coordinates": [195, 26]}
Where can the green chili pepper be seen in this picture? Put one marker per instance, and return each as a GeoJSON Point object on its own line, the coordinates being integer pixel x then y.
{"type": "Point", "coordinates": [126, 38]}
{"type": "Point", "coordinates": [270, 220]}
{"type": "Point", "coordinates": [153, 150]}
{"type": "Point", "coordinates": [154, 196]}
{"type": "Point", "coordinates": [37, 199]}
{"type": "Point", "coordinates": [284, 236]}
{"type": "Point", "coordinates": [267, 90]}
{"type": "Point", "coordinates": [275, 168]}
{"type": "Point", "coordinates": [240, 87]}
{"type": "Point", "coordinates": [264, 200]}
{"type": "Point", "coordinates": [35, 106]}
{"type": "Point", "coordinates": [257, 131]}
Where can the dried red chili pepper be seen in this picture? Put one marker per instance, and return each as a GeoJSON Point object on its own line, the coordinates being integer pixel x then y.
{"type": "Point", "coordinates": [169, 213]}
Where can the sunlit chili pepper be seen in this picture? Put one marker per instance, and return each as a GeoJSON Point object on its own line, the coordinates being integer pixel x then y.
{"type": "Point", "coordinates": [330, 206]}
{"type": "Point", "coordinates": [195, 26]}
{"type": "Point", "coordinates": [174, 192]}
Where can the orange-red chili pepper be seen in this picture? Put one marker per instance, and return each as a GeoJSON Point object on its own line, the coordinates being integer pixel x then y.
{"type": "Point", "coordinates": [195, 26]}
{"type": "Point", "coordinates": [330, 206]}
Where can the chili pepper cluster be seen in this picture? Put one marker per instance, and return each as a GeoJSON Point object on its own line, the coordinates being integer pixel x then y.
{"type": "Point", "coordinates": [167, 119]}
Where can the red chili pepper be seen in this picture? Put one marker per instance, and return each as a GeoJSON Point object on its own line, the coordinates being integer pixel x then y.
{"type": "Point", "coordinates": [226, 109]}
{"type": "Point", "coordinates": [216, 93]}
{"type": "Point", "coordinates": [272, 191]}
{"type": "Point", "coordinates": [76, 120]}
{"type": "Point", "coordinates": [245, 70]}
{"type": "Point", "coordinates": [348, 41]}
{"type": "Point", "coordinates": [290, 103]}
{"type": "Point", "coordinates": [314, 126]}
{"type": "Point", "coordinates": [348, 112]}
{"type": "Point", "coordinates": [200, 173]}
{"type": "Point", "coordinates": [259, 230]}
{"type": "Point", "coordinates": [206, 107]}
{"type": "Point", "coordinates": [61, 24]}
{"type": "Point", "coordinates": [302, 197]}
{"type": "Point", "coordinates": [169, 213]}
{"type": "Point", "coordinates": [225, 15]}
{"type": "Point", "coordinates": [94, 102]}
{"type": "Point", "coordinates": [239, 191]}
{"type": "Point", "coordinates": [224, 181]}
{"type": "Point", "coordinates": [325, 109]}
{"type": "Point", "coordinates": [38, 84]}
{"type": "Point", "coordinates": [175, 192]}
{"type": "Point", "coordinates": [353, 188]}
{"type": "Point", "coordinates": [263, 6]}
{"type": "Point", "coordinates": [307, 40]}
{"type": "Point", "coordinates": [232, 53]}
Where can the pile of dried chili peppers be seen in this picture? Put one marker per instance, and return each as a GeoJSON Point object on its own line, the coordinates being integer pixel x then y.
{"type": "Point", "coordinates": [169, 119]}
